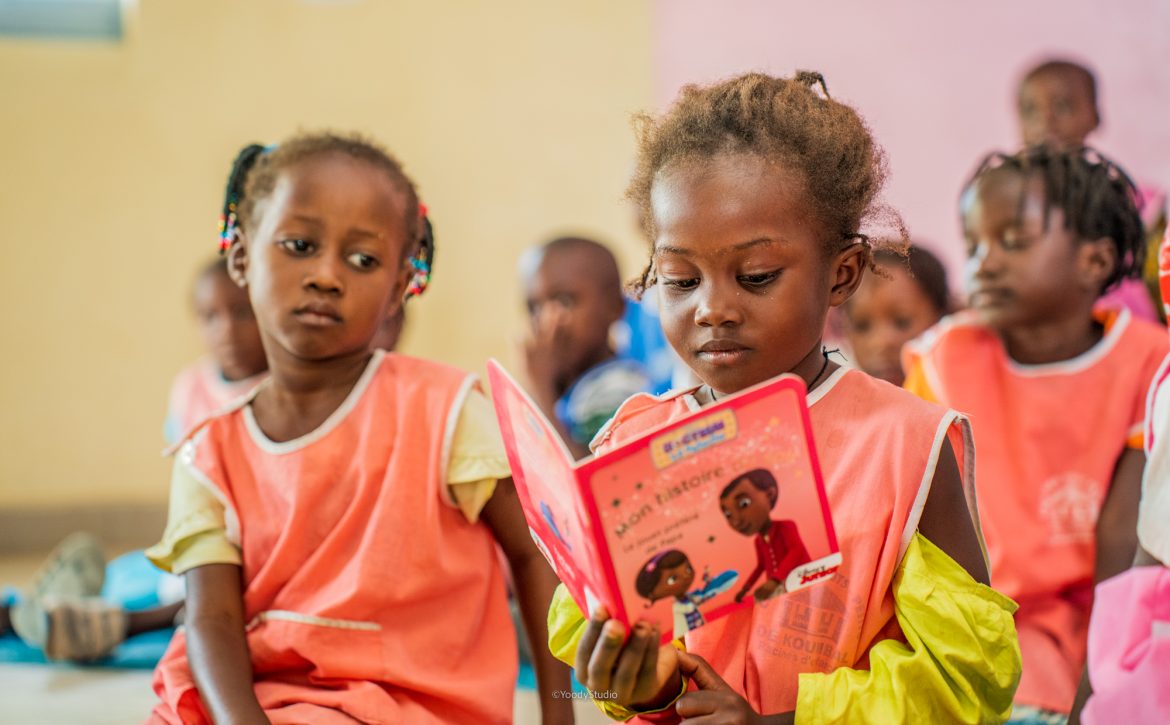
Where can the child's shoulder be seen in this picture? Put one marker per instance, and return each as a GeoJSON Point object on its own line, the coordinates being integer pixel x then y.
{"type": "Point", "coordinates": [1145, 334]}
{"type": "Point", "coordinates": [640, 413]}
{"type": "Point", "coordinates": [957, 329]}
{"type": "Point", "coordinates": [871, 398]}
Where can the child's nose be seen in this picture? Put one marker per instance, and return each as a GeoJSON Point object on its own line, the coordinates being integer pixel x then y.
{"type": "Point", "coordinates": [717, 305]}
{"type": "Point", "coordinates": [325, 274]}
{"type": "Point", "coordinates": [984, 261]}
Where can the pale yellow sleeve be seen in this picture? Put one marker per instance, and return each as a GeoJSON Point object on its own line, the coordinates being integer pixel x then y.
{"type": "Point", "coordinates": [196, 532]}
{"type": "Point", "coordinates": [960, 662]}
{"type": "Point", "coordinates": [478, 458]}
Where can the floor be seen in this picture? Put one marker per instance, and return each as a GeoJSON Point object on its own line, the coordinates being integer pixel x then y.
{"type": "Point", "coordinates": [68, 695]}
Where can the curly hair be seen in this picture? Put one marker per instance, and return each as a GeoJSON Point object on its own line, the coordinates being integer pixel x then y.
{"type": "Point", "coordinates": [1096, 196]}
{"type": "Point", "coordinates": [823, 140]}
{"type": "Point", "coordinates": [261, 179]}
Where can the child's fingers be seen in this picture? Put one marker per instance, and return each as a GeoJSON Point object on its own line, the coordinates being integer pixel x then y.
{"type": "Point", "coordinates": [698, 704]}
{"type": "Point", "coordinates": [625, 677]}
{"type": "Point", "coordinates": [701, 672]}
{"type": "Point", "coordinates": [605, 655]}
{"type": "Point", "coordinates": [648, 672]}
{"type": "Point", "coordinates": [587, 643]}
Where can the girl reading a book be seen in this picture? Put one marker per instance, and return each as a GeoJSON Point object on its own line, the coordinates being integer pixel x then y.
{"type": "Point", "coordinates": [670, 574]}
{"type": "Point", "coordinates": [753, 194]}
{"type": "Point", "coordinates": [747, 504]}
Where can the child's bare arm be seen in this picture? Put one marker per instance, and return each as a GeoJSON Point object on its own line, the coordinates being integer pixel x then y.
{"type": "Point", "coordinates": [216, 646]}
{"type": "Point", "coordinates": [1117, 523]}
{"type": "Point", "coordinates": [534, 582]}
{"type": "Point", "coordinates": [946, 520]}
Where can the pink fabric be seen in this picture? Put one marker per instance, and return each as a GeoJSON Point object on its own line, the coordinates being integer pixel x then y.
{"type": "Point", "coordinates": [1129, 649]}
{"type": "Point", "coordinates": [1132, 295]}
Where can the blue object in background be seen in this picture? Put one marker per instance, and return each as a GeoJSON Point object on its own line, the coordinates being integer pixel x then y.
{"type": "Point", "coordinates": [640, 338]}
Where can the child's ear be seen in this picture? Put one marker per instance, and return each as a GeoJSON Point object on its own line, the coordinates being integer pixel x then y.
{"type": "Point", "coordinates": [1097, 260]}
{"type": "Point", "coordinates": [237, 260]}
{"type": "Point", "coordinates": [846, 271]}
{"type": "Point", "coordinates": [402, 283]}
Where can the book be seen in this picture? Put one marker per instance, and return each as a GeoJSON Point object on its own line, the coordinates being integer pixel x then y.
{"type": "Point", "coordinates": [718, 510]}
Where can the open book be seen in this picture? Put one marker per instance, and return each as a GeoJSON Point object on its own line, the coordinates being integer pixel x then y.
{"type": "Point", "coordinates": [683, 524]}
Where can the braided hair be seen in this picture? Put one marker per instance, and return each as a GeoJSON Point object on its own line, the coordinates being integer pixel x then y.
{"type": "Point", "coordinates": [234, 194]}
{"type": "Point", "coordinates": [1096, 196]}
{"type": "Point", "coordinates": [257, 168]}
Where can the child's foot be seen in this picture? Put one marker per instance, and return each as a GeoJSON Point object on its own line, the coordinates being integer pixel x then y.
{"type": "Point", "coordinates": [83, 630]}
{"type": "Point", "coordinates": [75, 569]}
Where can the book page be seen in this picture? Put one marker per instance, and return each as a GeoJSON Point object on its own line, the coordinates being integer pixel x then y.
{"type": "Point", "coordinates": [714, 511]}
{"type": "Point", "coordinates": [546, 482]}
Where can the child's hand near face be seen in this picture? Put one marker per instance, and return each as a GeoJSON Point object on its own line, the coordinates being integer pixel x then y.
{"type": "Point", "coordinates": [545, 339]}
{"type": "Point", "coordinates": [634, 672]}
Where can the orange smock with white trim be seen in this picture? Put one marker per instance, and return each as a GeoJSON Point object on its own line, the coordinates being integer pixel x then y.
{"type": "Point", "coordinates": [1048, 439]}
{"type": "Point", "coordinates": [368, 594]}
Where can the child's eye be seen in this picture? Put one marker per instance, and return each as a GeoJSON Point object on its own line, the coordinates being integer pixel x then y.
{"type": "Point", "coordinates": [903, 323]}
{"type": "Point", "coordinates": [362, 261]}
{"type": "Point", "coordinates": [671, 579]}
{"type": "Point", "coordinates": [297, 246]}
{"type": "Point", "coordinates": [726, 514]}
{"type": "Point", "coordinates": [680, 283]}
{"type": "Point", "coordinates": [758, 280]}
{"type": "Point", "coordinates": [744, 502]}
{"type": "Point", "coordinates": [1013, 244]}
{"type": "Point", "coordinates": [860, 326]}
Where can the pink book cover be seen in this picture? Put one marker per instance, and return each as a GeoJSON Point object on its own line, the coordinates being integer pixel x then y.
{"type": "Point", "coordinates": [686, 522]}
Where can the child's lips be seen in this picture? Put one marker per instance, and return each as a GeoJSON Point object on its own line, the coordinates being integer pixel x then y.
{"type": "Point", "coordinates": [722, 352]}
{"type": "Point", "coordinates": [990, 296]}
{"type": "Point", "coordinates": [318, 315]}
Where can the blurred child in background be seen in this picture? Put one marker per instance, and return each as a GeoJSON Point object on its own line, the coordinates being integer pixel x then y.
{"type": "Point", "coordinates": [1056, 390]}
{"type": "Point", "coordinates": [574, 297]}
{"type": "Point", "coordinates": [72, 612]}
{"type": "Point", "coordinates": [1057, 107]}
{"type": "Point", "coordinates": [901, 300]}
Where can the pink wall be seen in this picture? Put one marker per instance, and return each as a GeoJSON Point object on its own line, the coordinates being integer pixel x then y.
{"type": "Point", "coordinates": [935, 79]}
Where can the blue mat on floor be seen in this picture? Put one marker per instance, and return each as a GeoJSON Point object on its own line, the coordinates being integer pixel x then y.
{"type": "Point", "coordinates": [133, 580]}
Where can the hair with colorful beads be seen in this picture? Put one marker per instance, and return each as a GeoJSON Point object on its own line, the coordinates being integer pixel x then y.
{"type": "Point", "coordinates": [263, 169]}
{"type": "Point", "coordinates": [234, 194]}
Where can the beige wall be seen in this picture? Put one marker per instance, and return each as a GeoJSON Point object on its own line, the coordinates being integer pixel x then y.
{"type": "Point", "coordinates": [511, 116]}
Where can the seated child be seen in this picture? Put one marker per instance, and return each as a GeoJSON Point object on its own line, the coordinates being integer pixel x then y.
{"type": "Point", "coordinates": [65, 616]}
{"type": "Point", "coordinates": [892, 307]}
{"type": "Point", "coordinates": [1056, 393]}
{"type": "Point", "coordinates": [753, 193]}
{"type": "Point", "coordinates": [235, 361]}
{"type": "Point", "coordinates": [337, 526]}
{"type": "Point", "coordinates": [574, 295]}
{"type": "Point", "coordinates": [1057, 107]}
{"type": "Point", "coordinates": [1128, 652]}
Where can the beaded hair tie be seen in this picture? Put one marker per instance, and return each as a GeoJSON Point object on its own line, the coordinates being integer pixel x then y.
{"type": "Point", "coordinates": [423, 261]}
